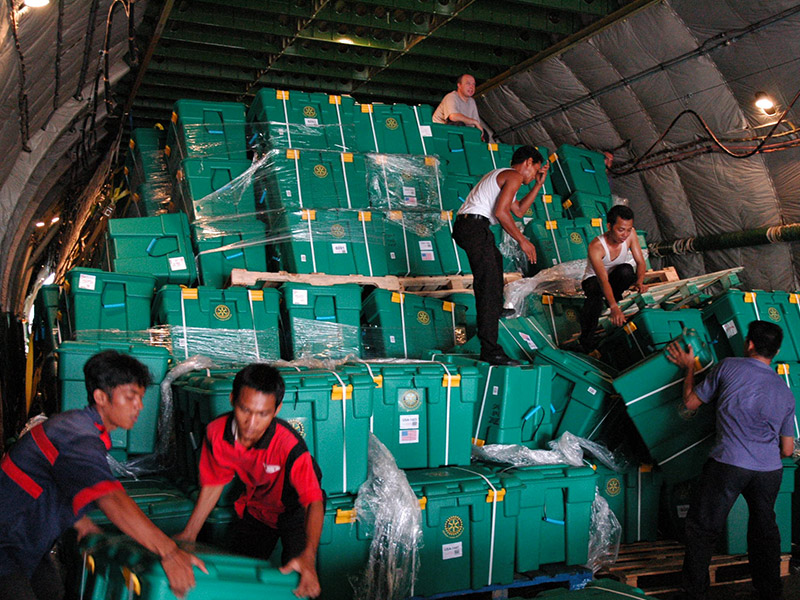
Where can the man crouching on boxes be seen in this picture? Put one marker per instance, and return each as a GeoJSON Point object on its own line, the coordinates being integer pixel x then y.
{"type": "Point", "coordinates": [283, 498]}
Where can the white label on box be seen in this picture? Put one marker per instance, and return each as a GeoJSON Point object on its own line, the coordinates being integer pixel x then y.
{"type": "Point", "coordinates": [409, 191]}
{"type": "Point", "coordinates": [409, 421]}
{"type": "Point", "coordinates": [453, 550]}
{"type": "Point", "coordinates": [409, 436]}
{"type": "Point", "coordinates": [683, 510]}
{"type": "Point", "coordinates": [303, 258]}
{"type": "Point", "coordinates": [410, 200]}
{"type": "Point", "coordinates": [729, 327]}
{"type": "Point", "coordinates": [427, 256]}
{"type": "Point", "coordinates": [426, 245]}
{"type": "Point", "coordinates": [592, 391]}
{"type": "Point", "coordinates": [392, 255]}
{"type": "Point", "coordinates": [177, 264]}
{"type": "Point", "coordinates": [311, 122]}
{"type": "Point", "coordinates": [495, 390]}
{"type": "Point", "coordinates": [339, 248]}
{"type": "Point", "coordinates": [425, 131]}
{"type": "Point", "coordinates": [555, 261]}
{"type": "Point", "coordinates": [300, 297]}
{"type": "Point", "coordinates": [181, 342]}
{"type": "Point", "coordinates": [528, 340]}
{"type": "Point", "coordinates": [288, 193]}
{"type": "Point", "coordinates": [392, 339]}
{"type": "Point", "coordinates": [87, 282]}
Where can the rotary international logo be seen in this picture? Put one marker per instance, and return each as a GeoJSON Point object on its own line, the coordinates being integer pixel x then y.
{"type": "Point", "coordinates": [222, 312]}
{"type": "Point", "coordinates": [391, 123]}
{"type": "Point", "coordinates": [410, 400]}
{"type": "Point", "coordinates": [320, 171]}
{"type": "Point", "coordinates": [297, 425]}
{"type": "Point", "coordinates": [575, 238]}
{"type": "Point", "coordinates": [309, 111]}
{"type": "Point", "coordinates": [613, 486]}
{"type": "Point", "coordinates": [453, 527]}
{"type": "Point", "coordinates": [423, 317]}
{"type": "Point", "coordinates": [774, 314]}
{"type": "Point", "coordinates": [337, 230]}
{"type": "Point", "coordinates": [571, 314]}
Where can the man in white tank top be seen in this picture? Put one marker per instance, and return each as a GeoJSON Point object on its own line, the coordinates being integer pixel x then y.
{"type": "Point", "coordinates": [494, 200]}
{"type": "Point", "coordinates": [610, 271]}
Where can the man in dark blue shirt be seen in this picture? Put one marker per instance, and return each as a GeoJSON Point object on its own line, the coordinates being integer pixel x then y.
{"type": "Point", "coordinates": [58, 471]}
{"type": "Point", "coordinates": [755, 416]}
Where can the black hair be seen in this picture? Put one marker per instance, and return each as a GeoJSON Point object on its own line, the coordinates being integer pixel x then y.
{"type": "Point", "coordinates": [109, 369]}
{"type": "Point", "coordinates": [619, 211]}
{"type": "Point", "coordinates": [262, 378]}
{"type": "Point", "coordinates": [523, 153]}
{"type": "Point", "coordinates": [766, 338]}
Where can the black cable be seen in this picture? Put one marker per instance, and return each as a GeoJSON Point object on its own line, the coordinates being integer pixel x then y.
{"type": "Point", "coordinates": [87, 48]}
{"type": "Point", "coordinates": [59, 45]}
{"type": "Point", "coordinates": [22, 97]}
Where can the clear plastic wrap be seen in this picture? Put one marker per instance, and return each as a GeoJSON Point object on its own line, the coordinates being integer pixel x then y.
{"type": "Point", "coordinates": [388, 508]}
{"type": "Point", "coordinates": [149, 183]}
{"type": "Point", "coordinates": [312, 339]}
{"type": "Point", "coordinates": [403, 181]}
{"type": "Point", "coordinates": [264, 136]}
{"type": "Point", "coordinates": [31, 423]}
{"type": "Point", "coordinates": [568, 449]}
{"type": "Point", "coordinates": [605, 535]}
{"type": "Point", "coordinates": [511, 251]}
{"type": "Point", "coordinates": [164, 455]}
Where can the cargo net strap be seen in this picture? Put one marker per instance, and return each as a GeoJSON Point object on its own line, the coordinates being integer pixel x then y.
{"type": "Point", "coordinates": [388, 509]}
{"type": "Point", "coordinates": [163, 458]}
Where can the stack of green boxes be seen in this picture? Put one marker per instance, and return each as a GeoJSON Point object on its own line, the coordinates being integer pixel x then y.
{"type": "Point", "coordinates": [146, 172]}
{"type": "Point", "coordinates": [633, 496]}
{"type": "Point", "coordinates": [46, 323]}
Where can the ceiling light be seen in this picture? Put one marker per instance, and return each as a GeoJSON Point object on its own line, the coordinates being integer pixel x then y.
{"type": "Point", "coordinates": [765, 103]}
{"type": "Point", "coordinates": [54, 220]}
{"type": "Point", "coordinates": [36, 3]}
{"type": "Point", "coordinates": [40, 223]}
{"type": "Point", "coordinates": [345, 40]}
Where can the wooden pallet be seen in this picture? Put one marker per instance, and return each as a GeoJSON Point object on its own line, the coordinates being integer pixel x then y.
{"type": "Point", "coordinates": [446, 284]}
{"type": "Point", "coordinates": [664, 275]}
{"type": "Point", "coordinates": [655, 567]}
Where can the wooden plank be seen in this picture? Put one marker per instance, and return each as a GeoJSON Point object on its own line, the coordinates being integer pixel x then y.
{"type": "Point", "coordinates": [265, 279]}
{"type": "Point", "coordinates": [664, 275]}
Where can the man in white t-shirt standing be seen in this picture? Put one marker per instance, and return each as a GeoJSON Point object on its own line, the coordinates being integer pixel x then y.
{"type": "Point", "coordinates": [459, 108]}
{"type": "Point", "coordinates": [494, 200]}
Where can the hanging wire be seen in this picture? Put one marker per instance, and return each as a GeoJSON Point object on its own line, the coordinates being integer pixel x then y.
{"type": "Point", "coordinates": [88, 41]}
{"type": "Point", "coordinates": [22, 98]}
{"type": "Point", "coordinates": [59, 46]}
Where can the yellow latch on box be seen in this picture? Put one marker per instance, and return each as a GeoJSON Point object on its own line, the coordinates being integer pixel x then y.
{"type": "Point", "coordinates": [551, 225]}
{"type": "Point", "coordinates": [366, 108]}
{"type": "Point", "coordinates": [501, 494]}
{"type": "Point", "coordinates": [292, 154]}
{"type": "Point", "coordinates": [365, 216]}
{"type": "Point", "coordinates": [344, 517]}
{"type": "Point", "coordinates": [397, 297]}
{"type": "Point", "coordinates": [629, 328]}
{"type": "Point", "coordinates": [189, 293]}
{"type": "Point", "coordinates": [423, 502]}
{"type": "Point", "coordinates": [338, 392]}
{"type": "Point", "coordinates": [478, 442]}
{"type": "Point", "coordinates": [378, 379]}
{"type": "Point", "coordinates": [256, 295]}
{"type": "Point", "coordinates": [783, 369]}
{"type": "Point", "coordinates": [547, 299]}
{"type": "Point", "coordinates": [347, 157]}
{"type": "Point", "coordinates": [451, 380]}
{"type": "Point", "coordinates": [448, 306]}
{"type": "Point", "coordinates": [308, 214]}
{"type": "Point", "coordinates": [750, 297]}
{"type": "Point", "coordinates": [281, 94]}
{"type": "Point", "coordinates": [334, 99]}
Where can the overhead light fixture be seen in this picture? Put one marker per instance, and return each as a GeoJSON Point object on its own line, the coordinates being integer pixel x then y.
{"type": "Point", "coordinates": [39, 223]}
{"type": "Point", "coordinates": [765, 103]}
{"type": "Point", "coordinates": [36, 3]}
{"type": "Point", "coordinates": [55, 220]}
{"type": "Point", "coordinates": [346, 40]}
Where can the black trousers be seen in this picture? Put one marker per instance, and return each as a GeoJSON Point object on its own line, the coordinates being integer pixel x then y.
{"type": "Point", "coordinates": [486, 262]}
{"type": "Point", "coordinates": [253, 538]}
{"type": "Point", "coordinates": [44, 584]}
{"type": "Point", "coordinates": [719, 487]}
{"type": "Point", "coordinates": [620, 278]}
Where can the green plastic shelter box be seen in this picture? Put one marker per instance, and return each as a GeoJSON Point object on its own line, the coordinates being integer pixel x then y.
{"type": "Point", "coordinates": [141, 439]}
{"type": "Point", "coordinates": [163, 503]}
{"type": "Point", "coordinates": [46, 321]}
{"type": "Point", "coordinates": [653, 391]}
{"type": "Point", "coordinates": [231, 325]}
{"type": "Point", "coordinates": [585, 204]}
{"type": "Point", "coordinates": [578, 169]}
{"type": "Point", "coordinates": [581, 391]}
{"type": "Point", "coordinates": [601, 589]}
{"type": "Point", "coordinates": [520, 338]}
{"type": "Point", "coordinates": [343, 548]}
{"type": "Point", "coordinates": [469, 519]}
{"type": "Point", "coordinates": [291, 119]}
{"type": "Point", "coordinates": [460, 149]}
{"type": "Point", "coordinates": [561, 314]}
{"type": "Point", "coordinates": [158, 246]}
{"type": "Point", "coordinates": [322, 321]}
{"type": "Point", "coordinates": [124, 569]}
{"type": "Point", "coordinates": [648, 331]}
{"type": "Point", "coordinates": [335, 242]}
{"type": "Point", "coordinates": [501, 155]}
{"type": "Point", "coordinates": [404, 182]}
{"type": "Point", "coordinates": [214, 130]}
{"type": "Point", "coordinates": [145, 158]}
{"type": "Point", "coordinates": [735, 539]}
{"type": "Point", "coordinates": [729, 314]}
{"type": "Point", "coordinates": [634, 497]}
{"type": "Point", "coordinates": [331, 412]}
{"type": "Point", "coordinates": [421, 243]}
{"type": "Point", "coordinates": [403, 325]}
{"type": "Point", "coordinates": [214, 188]}
{"type": "Point", "coordinates": [546, 207]}
{"type": "Point", "coordinates": [152, 198]}
{"type": "Point", "coordinates": [386, 128]}
{"type": "Point", "coordinates": [218, 527]}
{"type": "Point", "coordinates": [466, 301]}
{"type": "Point", "coordinates": [558, 240]}
{"type": "Point", "coordinates": [455, 189]}
{"type": "Point", "coordinates": [555, 514]}
{"type": "Point", "coordinates": [98, 300]}
{"type": "Point", "coordinates": [790, 373]}
{"type": "Point", "coordinates": [296, 179]}
{"type": "Point", "coordinates": [423, 412]}
{"type": "Point", "coordinates": [227, 244]}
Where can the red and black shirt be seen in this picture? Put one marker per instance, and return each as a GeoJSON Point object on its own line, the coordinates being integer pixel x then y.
{"type": "Point", "coordinates": [278, 471]}
{"type": "Point", "coordinates": [48, 480]}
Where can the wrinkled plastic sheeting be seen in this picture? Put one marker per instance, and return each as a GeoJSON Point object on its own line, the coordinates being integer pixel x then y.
{"type": "Point", "coordinates": [31, 423]}
{"type": "Point", "coordinates": [165, 452]}
{"type": "Point", "coordinates": [568, 449]}
{"type": "Point", "coordinates": [388, 508]}
{"type": "Point", "coordinates": [605, 534]}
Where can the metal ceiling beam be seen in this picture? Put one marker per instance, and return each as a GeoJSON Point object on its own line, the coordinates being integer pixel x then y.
{"type": "Point", "coordinates": [498, 56]}
{"type": "Point", "coordinates": [524, 18]}
{"type": "Point", "coordinates": [444, 68]}
{"type": "Point", "coordinates": [327, 34]}
{"type": "Point", "coordinates": [215, 38]}
{"type": "Point", "coordinates": [236, 21]}
{"type": "Point", "coordinates": [435, 7]}
{"type": "Point", "coordinates": [207, 56]}
{"type": "Point", "coordinates": [341, 53]}
{"type": "Point", "coordinates": [189, 68]}
{"type": "Point", "coordinates": [489, 35]}
{"type": "Point", "coordinates": [161, 93]}
{"type": "Point", "coordinates": [590, 7]}
{"type": "Point", "coordinates": [318, 67]}
{"type": "Point", "coordinates": [188, 82]}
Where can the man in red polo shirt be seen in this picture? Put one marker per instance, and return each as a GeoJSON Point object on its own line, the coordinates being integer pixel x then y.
{"type": "Point", "coordinates": [283, 498]}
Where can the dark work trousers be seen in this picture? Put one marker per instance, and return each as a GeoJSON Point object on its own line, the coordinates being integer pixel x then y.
{"type": "Point", "coordinates": [44, 584]}
{"type": "Point", "coordinates": [253, 538]}
{"type": "Point", "coordinates": [621, 278]}
{"type": "Point", "coordinates": [718, 488]}
{"type": "Point", "coordinates": [486, 262]}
